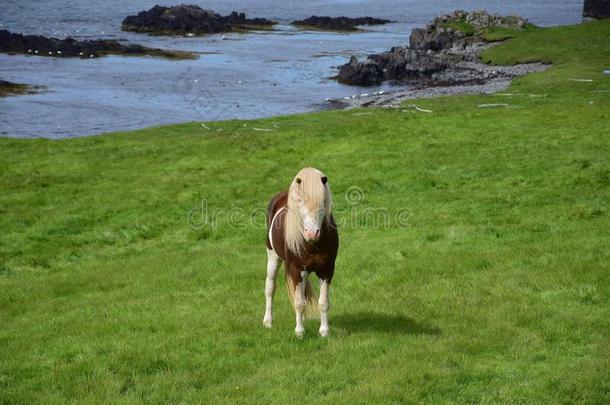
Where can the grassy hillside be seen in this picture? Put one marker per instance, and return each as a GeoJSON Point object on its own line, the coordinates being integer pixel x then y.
{"type": "Point", "coordinates": [493, 286]}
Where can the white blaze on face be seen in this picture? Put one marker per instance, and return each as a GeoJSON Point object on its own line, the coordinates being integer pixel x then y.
{"type": "Point", "coordinates": [312, 222]}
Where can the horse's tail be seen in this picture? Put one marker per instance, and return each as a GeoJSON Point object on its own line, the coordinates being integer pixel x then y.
{"type": "Point", "coordinates": [311, 297]}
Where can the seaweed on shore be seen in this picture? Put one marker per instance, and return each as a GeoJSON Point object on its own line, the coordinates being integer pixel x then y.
{"type": "Point", "coordinates": [11, 42]}
{"type": "Point", "coordinates": [12, 89]}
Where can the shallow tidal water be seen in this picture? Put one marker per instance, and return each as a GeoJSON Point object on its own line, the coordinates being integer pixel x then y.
{"type": "Point", "coordinates": [243, 75]}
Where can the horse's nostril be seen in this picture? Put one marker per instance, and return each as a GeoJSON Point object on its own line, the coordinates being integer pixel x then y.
{"type": "Point", "coordinates": [311, 233]}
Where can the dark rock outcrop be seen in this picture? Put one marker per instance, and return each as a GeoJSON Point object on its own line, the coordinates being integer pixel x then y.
{"type": "Point", "coordinates": [481, 19]}
{"type": "Point", "coordinates": [188, 19]}
{"type": "Point", "coordinates": [459, 29]}
{"type": "Point", "coordinates": [338, 23]}
{"type": "Point", "coordinates": [435, 40]}
{"type": "Point", "coordinates": [596, 9]}
{"type": "Point", "coordinates": [440, 52]}
{"type": "Point", "coordinates": [43, 46]}
{"type": "Point", "coordinates": [399, 63]}
{"type": "Point", "coordinates": [361, 74]}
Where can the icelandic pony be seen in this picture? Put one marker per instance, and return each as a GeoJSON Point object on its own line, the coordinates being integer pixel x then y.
{"type": "Point", "coordinates": [301, 232]}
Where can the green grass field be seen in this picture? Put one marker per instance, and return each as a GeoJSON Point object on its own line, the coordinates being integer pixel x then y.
{"type": "Point", "coordinates": [494, 287]}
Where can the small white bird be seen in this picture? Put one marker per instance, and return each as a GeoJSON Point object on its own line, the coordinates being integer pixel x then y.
{"type": "Point", "coordinates": [35, 51]}
{"type": "Point", "coordinates": [80, 54]}
{"type": "Point", "coordinates": [50, 53]}
{"type": "Point", "coordinates": [29, 51]}
{"type": "Point", "coordinates": [91, 56]}
{"type": "Point", "coordinates": [59, 52]}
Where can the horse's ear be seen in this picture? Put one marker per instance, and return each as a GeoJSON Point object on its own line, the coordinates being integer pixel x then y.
{"type": "Point", "coordinates": [298, 180]}
{"type": "Point", "coordinates": [324, 179]}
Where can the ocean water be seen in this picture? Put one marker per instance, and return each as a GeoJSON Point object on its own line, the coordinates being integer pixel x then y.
{"type": "Point", "coordinates": [244, 75]}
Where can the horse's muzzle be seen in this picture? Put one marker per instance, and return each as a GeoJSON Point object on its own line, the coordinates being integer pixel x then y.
{"type": "Point", "coordinates": [311, 235]}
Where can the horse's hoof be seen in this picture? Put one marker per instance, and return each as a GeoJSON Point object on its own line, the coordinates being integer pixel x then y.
{"type": "Point", "coordinates": [324, 332]}
{"type": "Point", "coordinates": [267, 322]}
{"type": "Point", "coordinates": [299, 333]}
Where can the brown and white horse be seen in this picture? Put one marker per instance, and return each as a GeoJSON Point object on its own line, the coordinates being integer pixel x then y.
{"type": "Point", "coordinates": [302, 233]}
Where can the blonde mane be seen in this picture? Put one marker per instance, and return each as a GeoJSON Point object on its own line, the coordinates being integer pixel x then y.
{"type": "Point", "coordinates": [315, 195]}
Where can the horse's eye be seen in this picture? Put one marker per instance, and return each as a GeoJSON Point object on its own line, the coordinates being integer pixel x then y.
{"type": "Point", "coordinates": [324, 179]}
{"type": "Point", "coordinates": [298, 180]}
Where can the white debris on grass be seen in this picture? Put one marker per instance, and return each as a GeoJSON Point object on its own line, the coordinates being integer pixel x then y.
{"type": "Point", "coordinates": [492, 105]}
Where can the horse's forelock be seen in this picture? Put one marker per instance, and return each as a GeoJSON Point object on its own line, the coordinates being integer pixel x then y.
{"type": "Point", "coordinates": [315, 194]}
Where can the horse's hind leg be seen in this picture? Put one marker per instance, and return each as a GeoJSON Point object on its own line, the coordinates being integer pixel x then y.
{"type": "Point", "coordinates": [324, 306]}
{"type": "Point", "coordinates": [273, 263]}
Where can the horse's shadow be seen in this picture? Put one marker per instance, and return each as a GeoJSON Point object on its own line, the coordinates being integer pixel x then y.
{"type": "Point", "coordinates": [380, 322]}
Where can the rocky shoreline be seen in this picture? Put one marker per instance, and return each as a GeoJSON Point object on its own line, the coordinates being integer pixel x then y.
{"type": "Point", "coordinates": [440, 52]}
{"type": "Point", "coordinates": [189, 20]}
{"type": "Point", "coordinates": [442, 58]}
{"type": "Point", "coordinates": [499, 81]}
{"type": "Point", "coordinates": [338, 23]}
{"type": "Point", "coordinates": [63, 48]}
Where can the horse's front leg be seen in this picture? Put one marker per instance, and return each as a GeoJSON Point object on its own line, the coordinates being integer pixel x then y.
{"type": "Point", "coordinates": [324, 306]}
{"type": "Point", "coordinates": [299, 282]}
{"type": "Point", "coordinates": [273, 263]}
